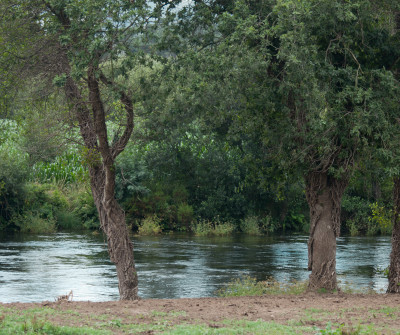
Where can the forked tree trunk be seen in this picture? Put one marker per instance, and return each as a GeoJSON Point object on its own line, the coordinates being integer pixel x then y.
{"type": "Point", "coordinates": [100, 158]}
{"type": "Point", "coordinates": [324, 194]}
{"type": "Point", "coordinates": [394, 267]}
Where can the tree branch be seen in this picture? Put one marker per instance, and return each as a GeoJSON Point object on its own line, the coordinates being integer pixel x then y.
{"type": "Point", "coordinates": [120, 145]}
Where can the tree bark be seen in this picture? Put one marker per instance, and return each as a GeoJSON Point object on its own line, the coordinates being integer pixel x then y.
{"type": "Point", "coordinates": [120, 247]}
{"type": "Point", "coordinates": [324, 194]}
{"type": "Point", "coordinates": [394, 267]}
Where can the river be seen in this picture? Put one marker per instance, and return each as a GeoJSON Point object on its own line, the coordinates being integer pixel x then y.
{"type": "Point", "coordinates": [41, 267]}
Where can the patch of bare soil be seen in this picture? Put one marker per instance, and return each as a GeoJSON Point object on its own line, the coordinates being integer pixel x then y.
{"type": "Point", "coordinates": [307, 309]}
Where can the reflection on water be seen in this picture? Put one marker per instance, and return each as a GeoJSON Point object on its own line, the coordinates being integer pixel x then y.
{"type": "Point", "coordinates": [37, 268]}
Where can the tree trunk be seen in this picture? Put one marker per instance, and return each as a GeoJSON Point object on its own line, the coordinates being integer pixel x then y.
{"type": "Point", "coordinates": [394, 267]}
{"type": "Point", "coordinates": [324, 194]}
{"type": "Point", "coordinates": [120, 247]}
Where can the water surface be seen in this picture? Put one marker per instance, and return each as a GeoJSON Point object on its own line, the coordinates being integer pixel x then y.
{"type": "Point", "coordinates": [37, 268]}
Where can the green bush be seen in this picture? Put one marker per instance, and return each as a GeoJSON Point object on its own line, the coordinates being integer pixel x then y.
{"type": "Point", "coordinates": [355, 214]}
{"type": "Point", "coordinates": [150, 226]}
{"type": "Point", "coordinates": [44, 198]}
{"type": "Point", "coordinates": [68, 220]}
{"type": "Point", "coordinates": [13, 175]}
{"type": "Point", "coordinates": [42, 204]}
{"type": "Point", "coordinates": [68, 207]}
{"type": "Point", "coordinates": [269, 224]}
{"type": "Point", "coordinates": [225, 228]}
{"type": "Point", "coordinates": [202, 228]}
{"type": "Point", "coordinates": [352, 227]}
{"type": "Point", "coordinates": [83, 208]}
{"type": "Point", "coordinates": [34, 223]}
{"type": "Point", "coordinates": [250, 225]}
{"type": "Point", "coordinates": [161, 200]}
{"type": "Point", "coordinates": [380, 219]}
{"type": "Point", "coordinates": [205, 227]}
{"type": "Point", "coordinates": [255, 225]}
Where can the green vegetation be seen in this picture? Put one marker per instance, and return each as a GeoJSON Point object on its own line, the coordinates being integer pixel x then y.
{"type": "Point", "coordinates": [239, 327]}
{"type": "Point", "coordinates": [150, 226]}
{"type": "Point", "coordinates": [53, 194]}
{"type": "Point", "coordinates": [12, 323]}
{"type": "Point", "coordinates": [64, 169]}
{"type": "Point", "coordinates": [49, 320]}
{"type": "Point", "coordinates": [248, 286]}
{"type": "Point", "coordinates": [205, 228]}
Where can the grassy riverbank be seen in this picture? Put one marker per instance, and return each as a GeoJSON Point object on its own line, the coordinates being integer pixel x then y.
{"type": "Point", "coordinates": [268, 314]}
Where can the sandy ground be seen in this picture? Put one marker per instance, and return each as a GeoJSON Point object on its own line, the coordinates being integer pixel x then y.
{"type": "Point", "coordinates": [307, 309]}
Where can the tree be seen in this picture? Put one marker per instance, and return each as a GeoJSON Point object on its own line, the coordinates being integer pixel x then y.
{"type": "Point", "coordinates": [394, 267]}
{"type": "Point", "coordinates": [86, 48]}
{"type": "Point", "coordinates": [306, 80]}
{"type": "Point", "coordinates": [333, 86]}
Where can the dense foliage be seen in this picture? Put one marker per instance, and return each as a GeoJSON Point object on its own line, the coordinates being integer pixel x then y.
{"type": "Point", "coordinates": [235, 102]}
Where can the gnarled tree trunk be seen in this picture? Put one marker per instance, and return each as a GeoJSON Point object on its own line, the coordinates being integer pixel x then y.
{"type": "Point", "coordinates": [324, 194]}
{"type": "Point", "coordinates": [120, 247]}
{"type": "Point", "coordinates": [394, 267]}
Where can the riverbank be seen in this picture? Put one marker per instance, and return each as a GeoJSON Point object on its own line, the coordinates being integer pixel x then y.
{"type": "Point", "coordinates": [308, 313]}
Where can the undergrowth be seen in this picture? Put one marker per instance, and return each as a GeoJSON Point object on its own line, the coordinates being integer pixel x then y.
{"type": "Point", "coordinates": [218, 228]}
{"type": "Point", "coordinates": [249, 286]}
{"type": "Point", "coordinates": [151, 225]}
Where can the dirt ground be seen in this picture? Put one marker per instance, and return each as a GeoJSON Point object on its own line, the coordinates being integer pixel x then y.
{"type": "Point", "coordinates": [306, 309]}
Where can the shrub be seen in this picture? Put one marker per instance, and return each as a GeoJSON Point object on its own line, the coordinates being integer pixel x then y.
{"type": "Point", "coordinates": [34, 223]}
{"type": "Point", "coordinates": [225, 228]}
{"type": "Point", "coordinates": [68, 220]}
{"type": "Point", "coordinates": [13, 174]}
{"type": "Point", "coordinates": [250, 225]}
{"type": "Point", "coordinates": [355, 213]}
{"type": "Point", "coordinates": [202, 228]}
{"type": "Point", "coordinates": [352, 227]}
{"type": "Point", "coordinates": [381, 218]}
{"type": "Point", "coordinates": [69, 207]}
{"type": "Point", "coordinates": [83, 207]}
{"type": "Point", "coordinates": [39, 213]}
{"type": "Point", "coordinates": [205, 227]}
{"type": "Point", "coordinates": [269, 224]}
{"type": "Point", "coordinates": [150, 226]}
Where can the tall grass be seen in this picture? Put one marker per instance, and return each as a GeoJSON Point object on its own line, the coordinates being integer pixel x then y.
{"type": "Point", "coordinates": [249, 286]}
{"type": "Point", "coordinates": [66, 168]}
{"type": "Point", "coordinates": [206, 227]}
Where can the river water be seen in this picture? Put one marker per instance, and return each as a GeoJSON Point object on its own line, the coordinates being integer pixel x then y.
{"type": "Point", "coordinates": [37, 268]}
